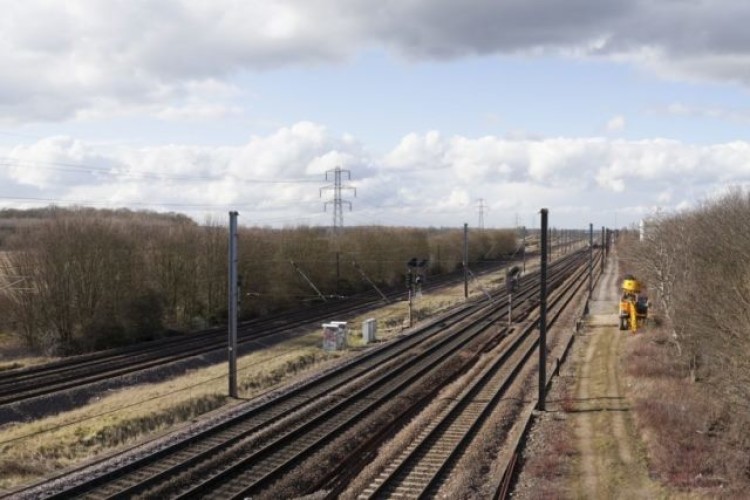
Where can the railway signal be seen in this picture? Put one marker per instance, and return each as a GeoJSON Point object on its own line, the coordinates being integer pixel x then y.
{"type": "Point", "coordinates": [410, 285]}
{"type": "Point", "coordinates": [511, 286]}
{"type": "Point", "coordinates": [415, 271]}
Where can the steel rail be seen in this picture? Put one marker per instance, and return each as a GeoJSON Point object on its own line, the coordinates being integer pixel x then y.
{"type": "Point", "coordinates": [419, 469]}
{"type": "Point", "coordinates": [231, 482]}
{"type": "Point", "coordinates": [270, 411]}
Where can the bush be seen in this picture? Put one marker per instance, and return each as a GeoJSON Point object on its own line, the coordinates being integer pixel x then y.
{"type": "Point", "coordinates": [142, 316]}
{"type": "Point", "coordinates": [696, 264]}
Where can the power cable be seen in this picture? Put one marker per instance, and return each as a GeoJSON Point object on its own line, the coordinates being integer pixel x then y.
{"type": "Point", "coordinates": [77, 167]}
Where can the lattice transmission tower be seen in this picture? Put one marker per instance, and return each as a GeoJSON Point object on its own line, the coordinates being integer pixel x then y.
{"type": "Point", "coordinates": [481, 208]}
{"type": "Point", "coordinates": [338, 202]}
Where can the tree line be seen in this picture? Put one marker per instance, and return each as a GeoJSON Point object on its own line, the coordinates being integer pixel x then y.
{"type": "Point", "coordinates": [74, 280]}
{"type": "Point", "coordinates": [697, 268]}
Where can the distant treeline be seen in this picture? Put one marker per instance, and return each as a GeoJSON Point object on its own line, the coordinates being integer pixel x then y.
{"type": "Point", "coordinates": [80, 279]}
{"type": "Point", "coordinates": [12, 219]}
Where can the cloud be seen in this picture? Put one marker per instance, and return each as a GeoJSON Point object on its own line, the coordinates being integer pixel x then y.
{"type": "Point", "coordinates": [55, 160]}
{"type": "Point", "coordinates": [303, 149]}
{"type": "Point", "coordinates": [426, 179]}
{"type": "Point", "coordinates": [72, 59]}
{"type": "Point", "coordinates": [616, 124]}
{"type": "Point", "coordinates": [198, 112]}
{"type": "Point", "coordinates": [418, 151]}
{"type": "Point", "coordinates": [202, 101]}
{"type": "Point", "coordinates": [713, 112]}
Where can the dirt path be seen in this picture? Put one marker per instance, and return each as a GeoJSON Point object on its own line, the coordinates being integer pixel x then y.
{"type": "Point", "coordinates": [612, 463]}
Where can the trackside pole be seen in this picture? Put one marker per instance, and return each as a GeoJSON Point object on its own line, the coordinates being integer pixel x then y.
{"type": "Point", "coordinates": [524, 250]}
{"type": "Point", "coordinates": [466, 260]}
{"type": "Point", "coordinates": [591, 260]}
{"type": "Point", "coordinates": [543, 315]}
{"type": "Point", "coordinates": [510, 309]}
{"type": "Point", "coordinates": [411, 306]}
{"type": "Point", "coordinates": [233, 302]}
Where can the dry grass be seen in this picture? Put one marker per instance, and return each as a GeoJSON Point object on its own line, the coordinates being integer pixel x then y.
{"type": "Point", "coordinates": [74, 441]}
{"type": "Point", "coordinates": [14, 354]}
{"type": "Point", "coordinates": [550, 456]}
{"type": "Point", "coordinates": [10, 365]}
{"type": "Point", "coordinates": [560, 450]}
{"type": "Point", "coordinates": [694, 442]}
{"type": "Point", "coordinates": [392, 319]}
{"type": "Point", "coordinates": [114, 421]}
{"type": "Point", "coordinates": [23, 362]}
{"type": "Point", "coordinates": [654, 357]}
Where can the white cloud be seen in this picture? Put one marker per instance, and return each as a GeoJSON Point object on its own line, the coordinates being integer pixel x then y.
{"type": "Point", "coordinates": [77, 58]}
{"type": "Point", "coordinates": [713, 112]}
{"type": "Point", "coordinates": [199, 112]}
{"type": "Point", "coordinates": [684, 205]}
{"type": "Point", "coordinates": [54, 160]}
{"type": "Point", "coordinates": [477, 160]}
{"type": "Point", "coordinates": [425, 179]}
{"type": "Point", "coordinates": [616, 124]}
{"type": "Point", "coordinates": [415, 151]}
{"type": "Point", "coordinates": [664, 197]}
{"type": "Point", "coordinates": [287, 152]}
{"type": "Point", "coordinates": [329, 161]}
{"type": "Point", "coordinates": [456, 199]}
{"type": "Point", "coordinates": [610, 181]}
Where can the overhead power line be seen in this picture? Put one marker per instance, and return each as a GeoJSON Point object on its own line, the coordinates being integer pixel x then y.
{"type": "Point", "coordinates": [124, 171]}
{"type": "Point", "coordinates": [95, 203]}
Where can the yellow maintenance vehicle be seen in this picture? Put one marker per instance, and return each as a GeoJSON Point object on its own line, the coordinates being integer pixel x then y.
{"type": "Point", "coordinates": [633, 305]}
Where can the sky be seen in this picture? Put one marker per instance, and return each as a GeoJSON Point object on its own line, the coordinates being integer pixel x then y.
{"type": "Point", "coordinates": [602, 112]}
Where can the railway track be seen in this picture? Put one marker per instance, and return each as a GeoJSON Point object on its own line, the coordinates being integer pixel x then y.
{"type": "Point", "coordinates": [27, 383]}
{"type": "Point", "coordinates": [425, 464]}
{"type": "Point", "coordinates": [500, 486]}
{"type": "Point", "coordinates": [246, 454]}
